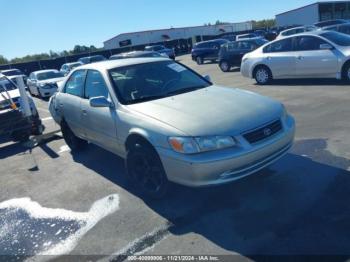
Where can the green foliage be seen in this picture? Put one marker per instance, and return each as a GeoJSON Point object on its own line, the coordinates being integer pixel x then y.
{"type": "Point", "coordinates": [78, 49]}
{"type": "Point", "coordinates": [266, 23]}
{"type": "Point", "coordinates": [3, 60]}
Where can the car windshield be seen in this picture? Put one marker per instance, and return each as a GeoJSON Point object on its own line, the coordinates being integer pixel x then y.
{"type": "Point", "coordinates": [49, 75]}
{"type": "Point", "coordinates": [74, 65]}
{"type": "Point", "coordinates": [14, 72]}
{"type": "Point", "coordinates": [6, 84]}
{"type": "Point", "coordinates": [154, 80]}
{"type": "Point", "coordinates": [337, 38]}
{"type": "Point", "coordinates": [97, 58]}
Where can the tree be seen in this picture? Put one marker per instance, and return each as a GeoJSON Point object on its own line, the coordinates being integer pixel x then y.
{"type": "Point", "coordinates": [266, 23]}
{"type": "Point", "coordinates": [3, 60]}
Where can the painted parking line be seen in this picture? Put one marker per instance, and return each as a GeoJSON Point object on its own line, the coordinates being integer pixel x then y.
{"type": "Point", "coordinates": [29, 229]}
{"type": "Point", "coordinates": [43, 109]}
{"type": "Point", "coordinates": [46, 119]}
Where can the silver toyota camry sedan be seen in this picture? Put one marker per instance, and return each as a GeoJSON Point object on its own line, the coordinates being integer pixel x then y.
{"type": "Point", "coordinates": [170, 124]}
{"type": "Point", "coordinates": [317, 54]}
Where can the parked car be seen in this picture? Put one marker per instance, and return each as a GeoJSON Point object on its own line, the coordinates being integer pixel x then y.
{"type": "Point", "coordinates": [341, 28]}
{"type": "Point", "coordinates": [43, 83]}
{"type": "Point", "coordinates": [162, 50]}
{"type": "Point", "coordinates": [230, 54]}
{"type": "Point", "coordinates": [13, 73]}
{"type": "Point", "coordinates": [296, 30]}
{"type": "Point", "coordinates": [154, 112]}
{"type": "Point", "coordinates": [137, 54]}
{"type": "Point", "coordinates": [91, 59]}
{"type": "Point", "coordinates": [271, 35]}
{"type": "Point", "coordinates": [246, 36]}
{"type": "Point", "coordinates": [318, 54]}
{"type": "Point", "coordinates": [331, 22]}
{"type": "Point", "coordinates": [66, 68]}
{"type": "Point", "coordinates": [12, 121]}
{"type": "Point", "coordinates": [207, 50]}
{"type": "Point", "coordinates": [260, 33]}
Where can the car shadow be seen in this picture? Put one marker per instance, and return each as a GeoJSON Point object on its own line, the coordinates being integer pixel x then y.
{"type": "Point", "coordinates": [298, 206]}
{"type": "Point", "coordinates": [308, 82]}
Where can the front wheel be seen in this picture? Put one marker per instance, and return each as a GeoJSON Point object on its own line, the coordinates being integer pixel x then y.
{"type": "Point", "coordinates": [146, 171]}
{"type": "Point", "coordinates": [75, 143]}
{"type": "Point", "coordinates": [346, 73]}
{"type": "Point", "coordinates": [262, 75]}
{"type": "Point", "coordinates": [199, 60]}
{"type": "Point", "coordinates": [224, 66]}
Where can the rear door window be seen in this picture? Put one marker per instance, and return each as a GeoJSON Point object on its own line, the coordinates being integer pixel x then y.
{"type": "Point", "coordinates": [284, 45]}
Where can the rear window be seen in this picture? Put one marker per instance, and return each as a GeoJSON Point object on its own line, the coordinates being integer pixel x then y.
{"type": "Point", "coordinates": [5, 84]}
{"type": "Point", "coordinates": [337, 38]}
{"type": "Point", "coordinates": [284, 45]}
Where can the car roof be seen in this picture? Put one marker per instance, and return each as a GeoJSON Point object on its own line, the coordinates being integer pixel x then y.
{"type": "Point", "coordinates": [44, 71]}
{"type": "Point", "coordinates": [9, 70]}
{"type": "Point", "coordinates": [109, 64]}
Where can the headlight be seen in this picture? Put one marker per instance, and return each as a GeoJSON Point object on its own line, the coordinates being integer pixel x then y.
{"type": "Point", "coordinates": [41, 84]}
{"type": "Point", "coordinates": [188, 145]}
{"type": "Point", "coordinates": [214, 142]}
{"type": "Point", "coordinates": [185, 145]}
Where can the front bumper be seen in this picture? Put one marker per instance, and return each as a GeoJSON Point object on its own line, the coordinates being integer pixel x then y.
{"type": "Point", "coordinates": [47, 92]}
{"type": "Point", "coordinates": [224, 166]}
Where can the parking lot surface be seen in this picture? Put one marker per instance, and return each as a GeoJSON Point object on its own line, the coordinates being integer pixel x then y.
{"type": "Point", "coordinates": [298, 206]}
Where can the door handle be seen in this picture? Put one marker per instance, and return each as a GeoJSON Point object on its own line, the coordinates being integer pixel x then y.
{"type": "Point", "coordinates": [300, 57]}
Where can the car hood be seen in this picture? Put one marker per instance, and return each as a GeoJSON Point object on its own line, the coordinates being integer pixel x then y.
{"type": "Point", "coordinates": [212, 111]}
{"type": "Point", "coordinates": [52, 80]}
{"type": "Point", "coordinates": [13, 94]}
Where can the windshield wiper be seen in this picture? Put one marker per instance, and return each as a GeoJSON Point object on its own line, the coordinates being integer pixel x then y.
{"type": "Point", "coordinates": [184, 90]}
{"type": "Point", "coordinates": [145, 99]}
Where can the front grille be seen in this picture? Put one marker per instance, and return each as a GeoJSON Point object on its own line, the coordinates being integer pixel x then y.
{"type": "Point", "coordinates": [263, 132]}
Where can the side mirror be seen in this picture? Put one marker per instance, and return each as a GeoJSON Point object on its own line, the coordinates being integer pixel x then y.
{"type": "Point", "coordinates": [100, 101]}
{"type": "Point", "coordinates": [208, 78]}
{"type": "Point", "coordinates": [326, 47]}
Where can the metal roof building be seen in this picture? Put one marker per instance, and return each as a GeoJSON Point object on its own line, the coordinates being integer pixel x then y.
{"type": "Point", "coordinates": [161, 35]}
{"type": "Point", "coordinates": [313, 13]}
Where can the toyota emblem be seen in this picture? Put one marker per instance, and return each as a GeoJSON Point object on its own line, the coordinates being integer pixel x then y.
{"type": "Point", "coordinates": [267, 132]}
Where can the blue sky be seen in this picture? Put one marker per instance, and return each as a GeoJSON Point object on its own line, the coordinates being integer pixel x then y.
{"type": "Point", "coordinates": [34, 26]}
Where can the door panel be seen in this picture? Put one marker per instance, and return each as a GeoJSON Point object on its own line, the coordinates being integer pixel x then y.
{"type": "Point", "coordinates": [316, 63]}
{"type": "Point", "coordinates": [311, 60]}
{"type": "Point", "coordinates": [282, 65]}
{"type": "Point", "coordinates": [99, 122]}
{"type": "Point", "coordinates": [280, 58]}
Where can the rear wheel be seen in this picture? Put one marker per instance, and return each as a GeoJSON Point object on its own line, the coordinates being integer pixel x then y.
{"type": "Point", "coordinates": [199, 60]}
{"type": "Point", "coordinates": [346, 73]}
{"type": "Point", "coordinates": [262, 75]}
{"type": "Point", "coordinates": [146, 171]}
{"type": "Point", "coordinates": [224, 66]}
{"type": "Point", "coordinates": [75, 143]}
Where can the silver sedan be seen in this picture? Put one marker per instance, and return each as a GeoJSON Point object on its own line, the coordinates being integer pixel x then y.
{"type": "Point", "coordinates": [317, 54]}
{"type": "Point", "coordinates": [170, 124]}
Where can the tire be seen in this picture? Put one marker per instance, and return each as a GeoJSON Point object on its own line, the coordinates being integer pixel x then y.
{"type": "Point", "coordinates": [146, 172]}
{"type": "Point", "coordinates": [346, 73]}
{"type": "Point", "coordinates": [39, 94]}
{"type": "Point", "coordinates": [224, 66]}
{"type": "Point", "coordinates": [199, 60]}
{"type": "Point", "coordinates": [20, 136]}
{"type": "Point", "coordinates": [75, 143]}
{"type": "Point", "coordinates": [262, 75]}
